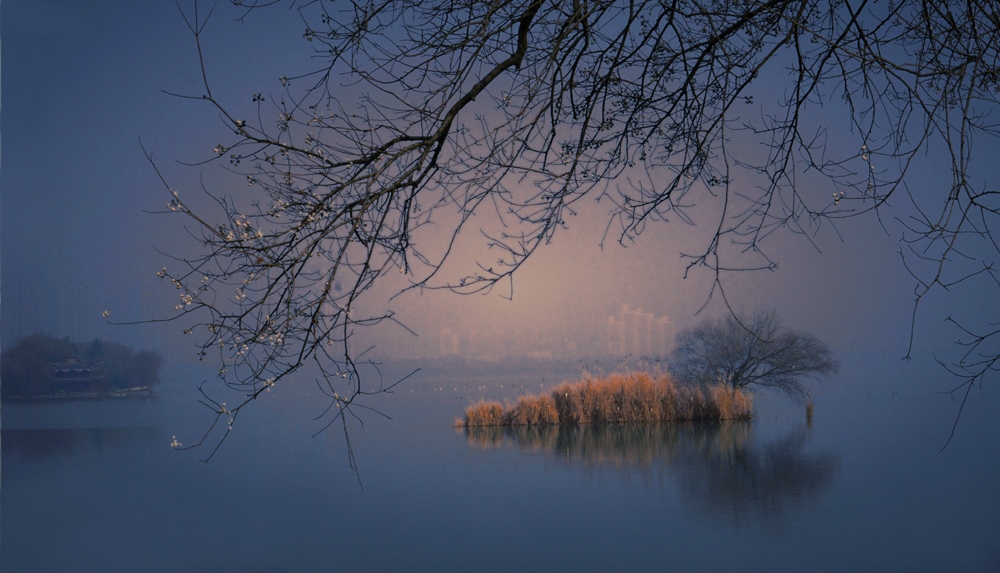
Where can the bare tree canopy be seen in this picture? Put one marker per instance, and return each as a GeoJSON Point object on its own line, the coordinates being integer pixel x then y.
{"type": "Point", "coordinates": [754, 116]}
{"type": "Point", "coordinates": [753, 352]}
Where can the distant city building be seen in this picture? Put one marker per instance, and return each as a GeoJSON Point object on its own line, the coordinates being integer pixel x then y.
{"type": "Point", "coordinates": [540, 354]}
{"type": "Point", "coordinates": [449, 342]}
{"type": "Point", "coordinates": [638, 333]}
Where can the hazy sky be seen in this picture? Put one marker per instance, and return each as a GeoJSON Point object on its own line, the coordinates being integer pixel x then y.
{"type": "Point", "coordinates": [82, 85]}
{"type": "Point", "coordinates": [83, 82]}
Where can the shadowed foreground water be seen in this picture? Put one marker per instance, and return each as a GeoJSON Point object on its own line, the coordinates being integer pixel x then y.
{"type": "Point", "coordinates": [717, 467]}
{"type": "Point", "coordinates": [94, 486]}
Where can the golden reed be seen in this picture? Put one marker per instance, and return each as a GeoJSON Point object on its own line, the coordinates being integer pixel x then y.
{"type": "Point", "coordinates": [634, 398]}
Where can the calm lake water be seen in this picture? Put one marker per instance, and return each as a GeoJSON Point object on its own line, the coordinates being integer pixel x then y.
{"type": "Point", "coordinates": [94, 486]}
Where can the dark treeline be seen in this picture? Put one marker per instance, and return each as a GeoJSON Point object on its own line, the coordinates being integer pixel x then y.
{"type": "Point", "coordinates": [28, 366]}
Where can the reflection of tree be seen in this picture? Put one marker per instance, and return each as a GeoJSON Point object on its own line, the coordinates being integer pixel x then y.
{"type": "Point", "coordinates": [720, 468]}
{"type": "Point", "coordinates": [754, 480]}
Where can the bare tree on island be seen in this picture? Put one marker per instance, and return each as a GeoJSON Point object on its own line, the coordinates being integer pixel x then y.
{"type": "Point", "coordinates": [750, 352]}
{"type": "Point", "coordinates": [432, 112]}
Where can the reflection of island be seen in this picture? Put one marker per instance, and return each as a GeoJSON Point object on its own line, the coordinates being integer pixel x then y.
{"type": "Point", "coordinates": [41, 366]}
{"type": "Point", "coordinates": [41, 444]}
{"type": "Point", "coordinates": [720, 468]}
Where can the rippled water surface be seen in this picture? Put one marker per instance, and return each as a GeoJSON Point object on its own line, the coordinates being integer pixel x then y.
{"type": "Point", "coordinates": [95, 486]}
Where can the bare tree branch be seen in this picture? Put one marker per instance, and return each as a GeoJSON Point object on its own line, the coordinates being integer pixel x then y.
{"type": "Point", "coordinates": [428, 113]}
{"type": "Point", "coordinates": [750, 352]}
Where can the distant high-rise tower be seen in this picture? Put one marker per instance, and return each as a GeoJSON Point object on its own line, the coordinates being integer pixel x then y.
{"type": "Point", "coordinates": [449, 342]}
{"type": "Point", "coordinates": [639, 333]}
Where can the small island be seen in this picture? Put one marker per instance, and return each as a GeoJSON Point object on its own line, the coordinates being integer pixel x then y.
{"type": "Point", "coordinates": [633, 398]}
{"type": "Point", "coordinates": [711, 373]}
{"type": "Point", "coordinates": [45, 367]}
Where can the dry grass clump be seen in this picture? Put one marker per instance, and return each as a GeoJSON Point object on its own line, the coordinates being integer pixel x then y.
{"type": "Point", "coordinates": [484, 414]}
{"type": "Point", "coordinates": [634, 398]}
{"type": "Point", "coordinates": [532, 411]}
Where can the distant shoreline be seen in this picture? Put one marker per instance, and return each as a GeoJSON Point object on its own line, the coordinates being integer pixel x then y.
{"type": "Point", "coordinates": [137, 392]}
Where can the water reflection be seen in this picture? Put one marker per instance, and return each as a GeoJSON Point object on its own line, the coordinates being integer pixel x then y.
{"type": "Point", "coordinates": [40, 444]}
{"type": "Point", "coordinates": [753, 479]}
{"type": "Point", "coordinates": [721, 468]}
